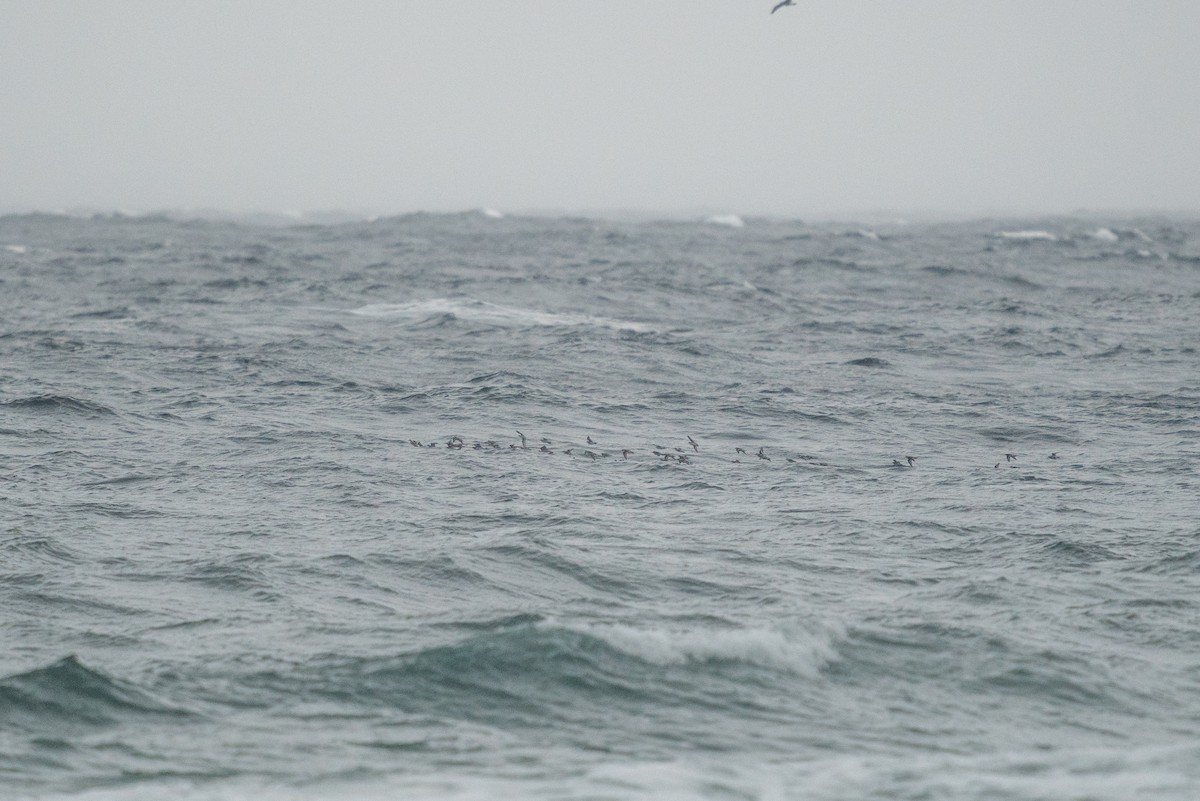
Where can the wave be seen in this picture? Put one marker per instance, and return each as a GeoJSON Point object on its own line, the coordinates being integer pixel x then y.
{"type": "Point", "coordinates": [56, 403]}
{"type": "Point", "coordinates": [943, 270]}
{"type": "Point", "coordinates": [478, 311]}
{"type": "Point", "coordinates": [728, 220]}
{"type": "Point", "coordinates": [1182, 564]}
{"type": "Point", "coordinates": [544, 673]}
{"type": "Point", "coordinates": [869, 361]}
{"type": "Point", "coordinates": [68, 692]}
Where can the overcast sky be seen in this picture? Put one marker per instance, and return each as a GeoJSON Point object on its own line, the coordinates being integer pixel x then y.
{"type": "Point", "coordinates": [401, 105]}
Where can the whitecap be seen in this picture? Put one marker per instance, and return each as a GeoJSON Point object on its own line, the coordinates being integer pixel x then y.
{"type": "Point", "coordinates": [494, 214]}
{"type": "Point", "coordinates": [1029, 236]}
{"type": "Point", "coordinates": [479, 311]}
{"type": "Point", "coordinates": [865, 234]}
{"type": "Point", "coordinates": [18, 249]}
{"type": "Point", "coordinates": [1105, 235]}
{"type": "Point", "coordinates": [800, 651]}
{"type": "Point", "coordinates": [731, 220]}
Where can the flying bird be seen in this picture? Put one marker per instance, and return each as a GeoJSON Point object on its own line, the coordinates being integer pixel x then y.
{"type": "Point", "coordinates": [781, 5]}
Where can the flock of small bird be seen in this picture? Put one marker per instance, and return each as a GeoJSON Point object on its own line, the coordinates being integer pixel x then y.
{"type": "Point", "coordinates": [677, 455]}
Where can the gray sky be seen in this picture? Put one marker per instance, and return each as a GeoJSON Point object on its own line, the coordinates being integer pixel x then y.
{"type": "Point", "coordinates": [828, 106]}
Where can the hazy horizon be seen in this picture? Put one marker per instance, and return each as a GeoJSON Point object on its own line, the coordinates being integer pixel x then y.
{"type": "Point", "coordinates": [823, 110]}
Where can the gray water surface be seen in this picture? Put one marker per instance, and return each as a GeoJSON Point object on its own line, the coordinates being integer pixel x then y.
{"type": "Point", "coordinates": [227, 572]}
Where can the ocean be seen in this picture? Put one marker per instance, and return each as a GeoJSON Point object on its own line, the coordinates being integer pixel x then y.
{"type": "Point", "coordinates": [472, 506]}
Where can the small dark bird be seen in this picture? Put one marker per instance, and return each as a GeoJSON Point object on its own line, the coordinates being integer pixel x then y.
{"type": "Point", "coordinates": [625, 454]}
{"type": "Point", "coordinates": [911, 460]}
{"type": "Point", "coordinates": [545, 449]}
{"type": "Point", "coordinates": [569, 451]}
{"type": "Point", "coordinates": [781, 5]}
{"type": "Point", "coordinates": [1008, 457]}
{"type": "Point", "coordinates": [1054, 455]}
{"type": "Point", "coordinates": [522, 441]}
{"type": "Point", "coordinates": [589, 453]}
{"type": "Point", "coordinates": [740, 450]}
{"type": "Point", "coordinates": [762, 455]}
{"type": "Point", "coordinates": [695, 444]}
{"type": "Point", "coordinates": [896, 463]}
{"type": "Point", "coordinates": [590, 441]}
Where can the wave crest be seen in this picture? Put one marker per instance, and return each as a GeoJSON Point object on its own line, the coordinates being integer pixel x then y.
{"type": "Point", "coordinates": [801, 652]}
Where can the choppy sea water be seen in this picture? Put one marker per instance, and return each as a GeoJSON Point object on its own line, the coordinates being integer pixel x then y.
{"type": "Point", "coordinates": [227, 571]}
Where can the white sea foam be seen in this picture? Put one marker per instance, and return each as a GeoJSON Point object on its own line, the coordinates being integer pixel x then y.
{"type": "Point", "coordinates": [18, 249]}
{"type": "Point", "coordinates": [731, 220]}
{"type": "Point", "coordinates": [801, 651]}
{"type": "Point", "coordinates": [479, 311]}
{"type": "Point", "coordinates": [1102, 774]}
{"type": "Point", "coordinates": [1029, 236]}
{"type": "Point", "coordinates": [865, 234]}
{"type": "Point", "coordinates": [1105, 235]}
{"type": "Point", "coordinates": [493, 214]}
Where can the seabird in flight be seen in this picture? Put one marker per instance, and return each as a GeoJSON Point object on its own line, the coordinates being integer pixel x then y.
{"type": "Point", "coordinates": [781, 5]}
